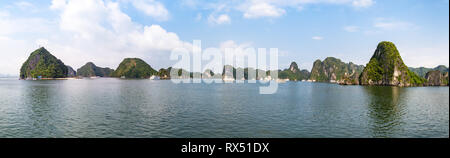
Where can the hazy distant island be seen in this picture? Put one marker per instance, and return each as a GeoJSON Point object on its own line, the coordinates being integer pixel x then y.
{"type": "Point", "coordinates": [385, 68]}
{"type": "Point", "coordinates": [91, 70]}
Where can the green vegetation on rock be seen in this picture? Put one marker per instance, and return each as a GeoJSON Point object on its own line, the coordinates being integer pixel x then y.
{"type": "Point", "coordinates": [334, 70]}
{"type": "Point", "coordinates": [422, 71]}
{"type": "Point", "coordinates": [386, 67]}
{"type": "Point", "coordinates": [134, 68]}
{"type": "Point", "coordinates": [91, 70]}
{"type": "Point", "coordinates": [294, 73]}
{"type": "Point", "coordinates": [42, 64]}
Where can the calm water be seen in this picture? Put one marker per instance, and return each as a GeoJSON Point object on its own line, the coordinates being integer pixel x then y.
{"type": "Point", "coordinates": [144, 108]}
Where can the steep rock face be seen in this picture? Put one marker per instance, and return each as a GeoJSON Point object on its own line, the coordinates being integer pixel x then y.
{"type": "Point", "coordinates": [294, 73]}
{"type": "Point", "coordinates": [42, 64]}
{"type": "Point", "coordinates": [422, 71]}
{"type": "Point", "coordinates": [91, 70]}
{"type": "Point", "coordinates": [436, 78]}
{"type": "Point", "coordinates": [71, 72]}
{"type": "Point", "coordinates": [294, 67]}
{"type": "Point", "coordinates": [386, 67]}
{"type": "Point", "coordinates": [164, 74]}
{"type": "Point", "coordinates": [134, 68]}
{"type": "Point", "coordinates": [334, 70]}
{"type": "Point", "coordinates": [352, 76]}
{"type": "Point", "coordinates": [446, 79]}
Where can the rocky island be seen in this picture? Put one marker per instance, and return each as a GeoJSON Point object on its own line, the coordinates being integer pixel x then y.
{"type": "Point", "coordinates": [335, 71]}
{"type": "Point", "coordinates": [294, 73]}
{"type": "Point", "coordinates": [43, 65]}
{"type": "Point", "coordinates": [386, 68]}
{"type": "Point", "coordinates": [91, 70]}
{"type": "Point", "coordinates": [134, 68]}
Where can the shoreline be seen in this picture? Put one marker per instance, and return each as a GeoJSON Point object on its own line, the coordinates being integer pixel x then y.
{"type": "Point", "coordinates": [224, 81]}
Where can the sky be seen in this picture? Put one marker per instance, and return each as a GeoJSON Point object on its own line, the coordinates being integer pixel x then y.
{"type": "Point", "coordinates": [106, 31]}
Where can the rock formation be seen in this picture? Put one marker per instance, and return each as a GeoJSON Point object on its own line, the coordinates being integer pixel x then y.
{"type": "Point", "coordinates": [134, 68]}
{"type": "Point", "coordinates": [42, 64]}
{"type": "Point", "coordinates": [386, 68]}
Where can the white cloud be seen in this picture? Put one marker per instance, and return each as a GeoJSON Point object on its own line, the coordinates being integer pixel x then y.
{"type": "Point", "coordinates": [392, 24]}
{"type": "Point", "coordinates": [317, 38]}
{"type": "Point", "coordinates": [351, 28]}
{"type": "Point", "coordinates": [382, 25]}
{"type": "Point", "coordinates": [10, 25]}
{"type": "Point", "coordinates": [23, 5]}
{"type": "Point", "coordinates": [94, 20]}
{"type": "Point", "coordinates": [152, 8]}
{"type": "Point", "coordinates": [257, 10]}
{"type": "Point", "coordinates": [85, 30]}
{"type": "Point", "coordinates": [58, 4]}
{"type": "Point", "coordinates": [199, 17]}
{"type": "Point", "coordinates": [190, 3]}
{"type": "Point", "coordinates": [4, 14]}
{"type": "Point", "coordinates": [42, 42]}
{"type": "Point", "coordinates": [362, 3]}
{"type": "Point", "coordinates": [425, 55]}
{"type": "Point", "coordinates": [252, 9]}
{"type": "Point", "coordinates": [231, 49]}
{"type": "Point", "coordinates": [14, 53]}
{"type": "Point", "coordinates": [221, 19]}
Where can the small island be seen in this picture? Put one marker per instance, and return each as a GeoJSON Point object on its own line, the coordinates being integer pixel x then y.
{"type": "Point", "coordinates": [43, 65]}
{"type": "Point", "coordinates": [92, 70]}
{"type": "Point", "coordinates": [134, 68]}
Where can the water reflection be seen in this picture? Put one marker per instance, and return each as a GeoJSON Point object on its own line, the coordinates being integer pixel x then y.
{"type": "Point", "coordinates": [385, 110]}
{"type": "Point", "coordinates": [144, 108]}
{"type": "Point", "coordinates": [40, 110]}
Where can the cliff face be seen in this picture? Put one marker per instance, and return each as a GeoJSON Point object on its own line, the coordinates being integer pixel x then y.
{"type": "Point", "coordinates": [134, 68]}
{"type": "Point", "coordinates": [42, 64]}
{"type": "Point", "coordinates": [71, 72]}
{"type": "Point", "coordinates": [334, 70]}
{"type": "Point", "coordinates": [293, 73]}
{"type": "Point", "coordinates": [352, 77]}
{"type": "Point", "coordinates": [446, 79]}
{"type": "Point", "coordinates": [436, 78]}
{"type": "Point", "coordinates": [91, 70]}
{"type": "Point", "coordinates": [386, 67]}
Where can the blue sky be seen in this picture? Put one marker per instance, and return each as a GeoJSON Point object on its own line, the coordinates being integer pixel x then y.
{"type": "Point", "coordinates": [106, 31]}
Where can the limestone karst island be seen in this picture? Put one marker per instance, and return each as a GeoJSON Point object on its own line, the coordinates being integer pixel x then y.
{"type": "Point", "coordinates": [385, 68]}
